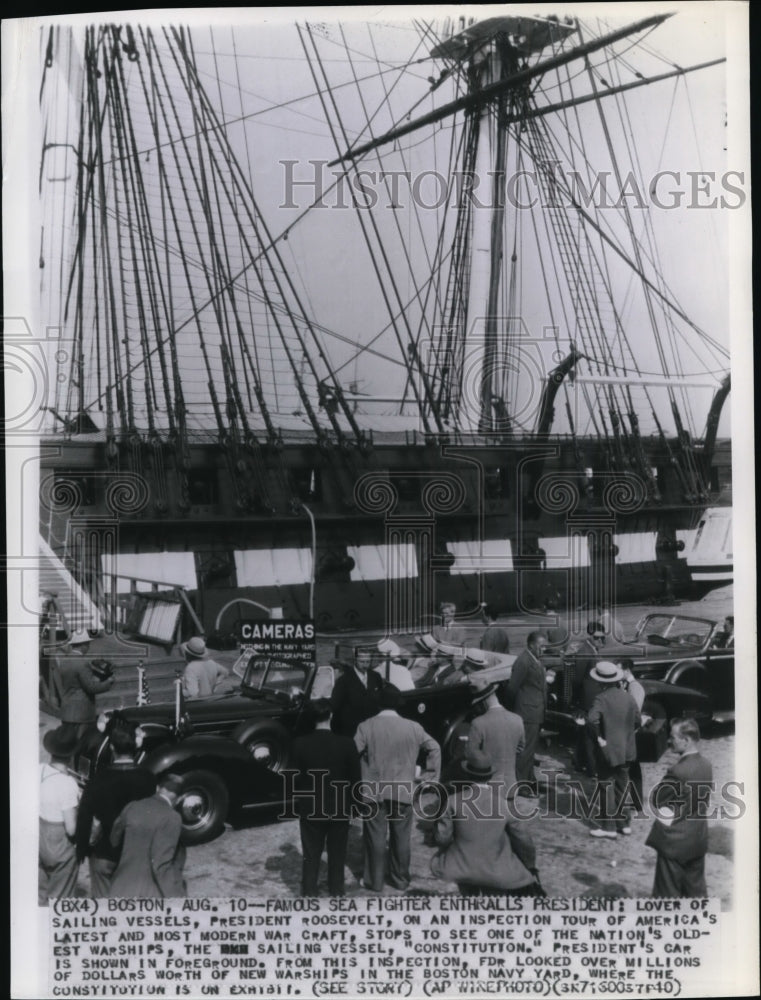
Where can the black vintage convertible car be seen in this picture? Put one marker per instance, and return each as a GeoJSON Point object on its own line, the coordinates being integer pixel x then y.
{"type": "Point", "coordinates": [230, 750]}
{"type": "Point", "coordinates": [681, 661]}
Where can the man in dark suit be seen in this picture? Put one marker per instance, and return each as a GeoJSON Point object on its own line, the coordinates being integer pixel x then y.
{"type": "Point", "coordinates": [78, 685]}
{"type": "Point", "coordinates": [327, 771]}
{"type": "Point", "coordinates": [355, 695]}
{"type": "Point", "coordinates": [152, 857]}
{"type": "Point", "coordinates": [103, 799]}
{"type": "Point", "coordinates": [680, 834]}
{"type": "Point", "coordinates": [495, 639]}
{"type": "Point", "coordinates": [613, 720]}
{"type": "Point", "coordinates": [525, 693]}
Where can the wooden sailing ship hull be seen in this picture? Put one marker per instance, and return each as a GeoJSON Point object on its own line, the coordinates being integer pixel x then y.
{"type": "Point", "coordinates": [397, 530]}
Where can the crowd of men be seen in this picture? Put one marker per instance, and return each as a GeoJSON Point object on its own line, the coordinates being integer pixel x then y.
{"type": "Point", "coordinates": [364, 759]}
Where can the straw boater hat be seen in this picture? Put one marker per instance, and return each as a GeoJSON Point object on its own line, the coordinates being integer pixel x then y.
{"type": "Point", "coordinates": [426, 642]}
{"type": "Point", "coordinates": [477, 764]}
{"type": "Point", "coordinates": [607, 672]}
{"type": "Point", "coordinates": [447, 649]}
{"type": "Point", "coordinates": [194, 647]}
{"type": "Point", "coordinates": [475, 659]}
{"type": "Point", "coordinates": [388, 646]}
{"type": "Point", "coordinates": [60, 742]}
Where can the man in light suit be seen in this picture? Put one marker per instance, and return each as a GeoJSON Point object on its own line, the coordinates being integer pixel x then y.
{"type": "Point", "coordinates": [497, 733]}
{"type": "Point", "coordinates": [478, 853]}
{"type": "Point", "coordinates": [526, 694]}
{"type": "Point", "coordinates": [680, 835]}
{"type": "Point", "coordinates": [613, 720]}
{"type": "Point", "coordinates": [152, 856]}
{"type": "Point", "coordinates": [388, 747]}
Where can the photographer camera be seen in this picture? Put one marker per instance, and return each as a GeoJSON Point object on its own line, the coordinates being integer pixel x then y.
{"type": "Point", "coordinates": [80, 683]}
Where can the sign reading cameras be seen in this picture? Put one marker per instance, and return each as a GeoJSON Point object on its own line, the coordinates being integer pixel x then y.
{"type": "Point", "coordinates": [286, 641]}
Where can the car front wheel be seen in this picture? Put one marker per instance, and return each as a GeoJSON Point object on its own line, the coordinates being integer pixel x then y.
{"type": "Point", "coordinates": [203, 803]}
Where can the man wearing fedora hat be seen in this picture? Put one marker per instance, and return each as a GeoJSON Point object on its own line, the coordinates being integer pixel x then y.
{"type": "Point", "coordinates": [202, 676]}
{"type": "Point", "coordinates": [477, 852]}
{"type": "Point", "coordinates": [78, 684]}
{"type": "Point", "coordinates": [613, 720]}
{"type": "Point", "coordinates": [59, 798]}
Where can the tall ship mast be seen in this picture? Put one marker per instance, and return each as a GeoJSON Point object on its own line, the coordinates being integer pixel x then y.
{"type": "Point", "coordinates": [434, 359]}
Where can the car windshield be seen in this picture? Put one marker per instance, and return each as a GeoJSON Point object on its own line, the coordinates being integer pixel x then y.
{"type": "Point", "coordinates": [268, 674]}
{"type": "Point", "coordinates": [675, 630]}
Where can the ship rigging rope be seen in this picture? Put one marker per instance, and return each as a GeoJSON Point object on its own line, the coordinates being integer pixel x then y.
{"type": "Point", "coordinates": [667, 297]}
{"type": "Point", "coordinates": [259, 226]}
{"type": "Point", "coordinates": [213, 297]}
{"type": "Point", "coordinates": [265, 248]}
{"type": "Point", "coordinates": [434, 271]}
{"type": "Point", "coordinates": [394, 214]}
{"type": "Point", "coordinates": [426, 386]}
{"type": "Point", "coordinates": [654, 254]}
{"type": "Point", "coordinates": [241, 247]}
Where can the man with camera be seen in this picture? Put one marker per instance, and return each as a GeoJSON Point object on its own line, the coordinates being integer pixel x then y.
{"type": "Point", "coordinates": [80, 681]}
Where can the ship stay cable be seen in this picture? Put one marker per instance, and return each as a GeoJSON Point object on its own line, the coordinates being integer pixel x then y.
{"type": "Point", "coordinates": [692, 473]}
{"type": "Point", "coordinates": [415, 357]}
{"type": "Point", "coordinates": [212, 296]}
{"type": "Point", "coordinates": [440, 298]}
{"type": "Point", "coordinates": [412, 351]}
{"type": "Point", "coordinates": [176, 410]}
{"type": "Point", "coordinates": [241, 248]}
{"type": "Point", "coordinates": [403, 242]}
{"type": "Point", "coordinates": [142, 264]}
{"type": "Point", "coordinates": [168, 201]}
{"type": "Point", "coordinates": [257, 223]}
{"type": "Point", "coordinates": [180, 173]}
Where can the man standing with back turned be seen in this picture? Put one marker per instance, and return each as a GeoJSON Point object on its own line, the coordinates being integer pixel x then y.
{"type": "Point", "coordinates": [388, 746]}
{"type": "Point", "coordinates": [327, 770]}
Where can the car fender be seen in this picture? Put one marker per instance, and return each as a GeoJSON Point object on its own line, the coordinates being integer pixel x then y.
{"type": "Point", "coordinates": [681, 668]}
{"type": "Point", "coordinates": [246, 729]}
{"type": "Point", "coordinates": [196, 751]}
{"type": "Point", "coordinates": [222, 756]}
{"type": "Point", "coordinates": [678, 697]}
